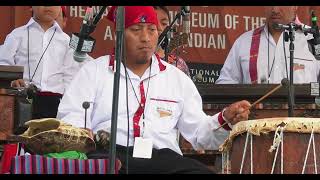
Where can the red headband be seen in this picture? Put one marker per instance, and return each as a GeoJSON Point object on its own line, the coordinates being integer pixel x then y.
{"type": "Point", "coordinates": [135, 14]}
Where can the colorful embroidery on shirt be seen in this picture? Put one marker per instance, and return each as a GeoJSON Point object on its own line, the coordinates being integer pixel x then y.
{"type": "Point", "coordinates": [164, 112]}
{"type": "Point", "coordinates": [297, 66]}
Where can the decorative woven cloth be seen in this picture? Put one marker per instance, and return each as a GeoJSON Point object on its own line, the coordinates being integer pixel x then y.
{"type": "Point", "coordinates": [37, 164]}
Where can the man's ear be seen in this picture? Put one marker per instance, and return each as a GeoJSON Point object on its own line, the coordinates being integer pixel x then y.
{"type": "Point", "coordinates": [65, 21]}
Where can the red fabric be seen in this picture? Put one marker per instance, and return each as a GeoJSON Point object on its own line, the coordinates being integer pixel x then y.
{"type": "Point", "coordinates": [111, 62]}
{"type": "Point", "coordinates": [37, 164]}
{"type": "Point", "coordinates": [254, 50]}
{"type": "Point", "coordinates": [162, 67]}
{"type": "Point", "coordinates": [135, 14]}
{"type": "Point", "coordinates": [139, 112]}
{"type": "Point", "coordinates": [222, 121]}
{"type": "Point", "coordinates": [46, 93]}
{"type": "Point", "coordinates": [9, 151]}
{"type": "Point", "coordinates": [64, 11]}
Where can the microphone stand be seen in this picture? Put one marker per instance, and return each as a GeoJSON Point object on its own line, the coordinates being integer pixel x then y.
{"type": "Point", "coordinates": [164, 37]}
{"type": "Point", "coordinates": [166, 49]}
{"type": "Point", "coordinates": [116, 82]}
{"type": "Point", "coordinates": [82, 42]}
{"type": "Point", "coordinates": [97, 18]}
{"type": "Point", "coordinates": [291, 95]}
{"type": "Point", "coordinates": [85, 106]}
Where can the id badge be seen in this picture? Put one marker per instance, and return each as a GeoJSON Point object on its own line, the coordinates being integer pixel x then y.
{"type": "Point", "coordinates": [142, 148]}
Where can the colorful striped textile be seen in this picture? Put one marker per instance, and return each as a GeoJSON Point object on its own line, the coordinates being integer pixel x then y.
{"type": "Point", "coordinates": [37, 164]}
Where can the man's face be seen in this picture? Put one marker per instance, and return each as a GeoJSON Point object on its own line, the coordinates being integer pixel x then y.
{"type": "Point", "coordinates": [280, 14]}
{"type": "Point", "coordinates": [163, 20]}
{"type": "Point", "coordinates": [141, 41]}
{"type": "Point", "coordinates": [46, 13]}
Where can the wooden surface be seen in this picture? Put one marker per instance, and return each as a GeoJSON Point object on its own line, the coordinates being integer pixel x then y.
{"type": "Point", "coordinates": [229, 93]}
{"type": "Point", "coordinates": [4, 68]}
{"type": "Point", "coordinates": [6, 115]}
{"type": "Point", "coordinates": [294, 150]}
{"type": "Point", "coordinates": [8, 74]}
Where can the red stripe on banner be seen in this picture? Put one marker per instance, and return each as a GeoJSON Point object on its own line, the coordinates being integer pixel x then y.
{"type": "Point", "coordinates": [254, 51]}
{"type": "Point", "coordinates": [23, 165]}
{"type": "Point", "coordinates": [45, 166]}
{"type": "Point", "coordinates": [33, 166]}
{"type": "Point", "coordinates": [76, 167]}
{"type": "Point", "coordinates": [55, 164]}
{"type": "Point", "coordinates": [66, 166]}
{"type": "Point", "coordinates": [96, 165]}
{"type": "Point", "coordinates": [41, 164]}
{"type": "Point", "coordinates": [86, 167]}
{"type": "Point", "coordinates": [164, 100]}
{"type": "Point", "coordinates": [88, 164]}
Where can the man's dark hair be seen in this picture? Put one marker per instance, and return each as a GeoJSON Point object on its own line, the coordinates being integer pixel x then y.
{"type": "Point", "coordinates": [164, 8]}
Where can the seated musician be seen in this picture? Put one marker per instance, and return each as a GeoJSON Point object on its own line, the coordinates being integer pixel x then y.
{"type": "Point", "coordinates": [164, 21]}
{"type": "Point", "coordinates": [42, 48]}
{"type": "Point", "coordinates": [161, 101]}
{"type": "Point", "coordinates": [262, 55]}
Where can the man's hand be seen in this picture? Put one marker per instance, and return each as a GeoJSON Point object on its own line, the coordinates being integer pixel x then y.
{"type": "Point", "coordinates": [238, 111]}
{"type": "Point", "coordinates": [102, 139]}
{"type": "Point", "coordinates": [18, 83]}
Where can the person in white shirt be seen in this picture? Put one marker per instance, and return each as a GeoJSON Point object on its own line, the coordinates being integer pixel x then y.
{"type": "Point", "coordinates": [262, 55]}
{"type": "Point", "coordinates": [42, 48]}
{"type": "Point", "coordinates": [161, 101]}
